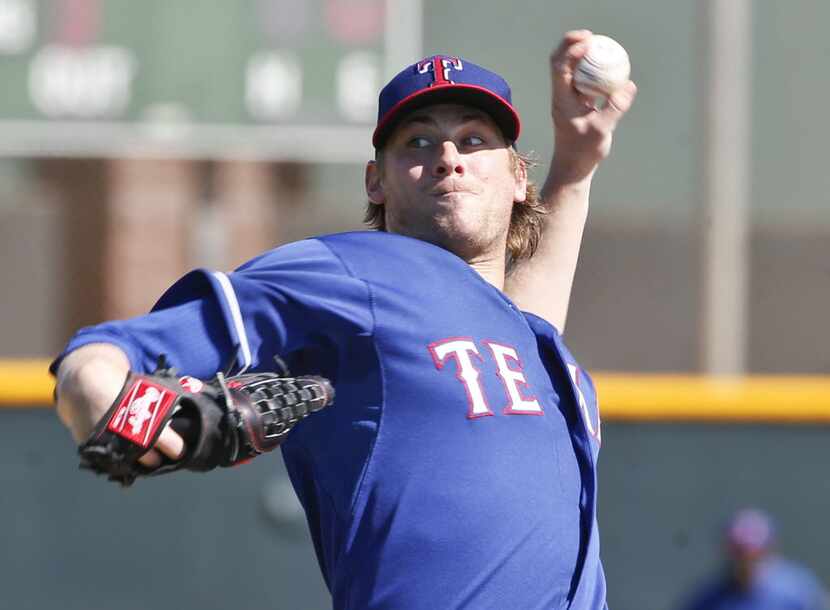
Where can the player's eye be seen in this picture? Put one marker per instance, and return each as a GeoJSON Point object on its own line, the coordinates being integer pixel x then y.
{"type": "Point", "coordinates": [473, 141]}
{"type": "Point", "coordinates": [419, 142]}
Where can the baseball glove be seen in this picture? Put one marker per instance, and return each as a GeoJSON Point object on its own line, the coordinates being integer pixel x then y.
{"type": "Point", "coordinates": [224, 421]}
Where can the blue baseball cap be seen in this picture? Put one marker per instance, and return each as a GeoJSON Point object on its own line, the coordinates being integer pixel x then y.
{"type": "Point", "coordinates": [445, 79]}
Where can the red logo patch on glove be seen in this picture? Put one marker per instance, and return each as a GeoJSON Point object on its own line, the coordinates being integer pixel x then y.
{"type": "Point", "coordinates": [143, 408]}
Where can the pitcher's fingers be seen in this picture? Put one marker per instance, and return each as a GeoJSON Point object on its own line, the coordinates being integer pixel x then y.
{"type": "Point", "coordinates": [568, 39]}
{"type": "Point", "coordinates": [170, 444]}
{"type": "Point", "coordinates": [151, 459]}
{"type": "Point", "coordinates": [618, 104]}
{"type": "Point", "coordinates": [564, 63]}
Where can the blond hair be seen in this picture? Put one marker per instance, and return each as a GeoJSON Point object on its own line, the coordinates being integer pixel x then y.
{"type": "Point", "coordinates": [526, 218]}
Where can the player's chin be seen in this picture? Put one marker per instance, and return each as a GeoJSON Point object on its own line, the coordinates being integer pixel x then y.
{"type": "Point", "coordinates": [460, 231]}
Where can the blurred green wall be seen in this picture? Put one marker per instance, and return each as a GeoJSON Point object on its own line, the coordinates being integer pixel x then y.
{"type": "Point", "coordinates": [231, 538]}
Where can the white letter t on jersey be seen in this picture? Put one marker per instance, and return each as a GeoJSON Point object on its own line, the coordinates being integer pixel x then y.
{"type": "Point", "coordinates": [459, 350]}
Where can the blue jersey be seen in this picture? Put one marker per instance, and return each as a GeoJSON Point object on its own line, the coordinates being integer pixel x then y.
{"type": "Point", "coordinates": [457, 467]}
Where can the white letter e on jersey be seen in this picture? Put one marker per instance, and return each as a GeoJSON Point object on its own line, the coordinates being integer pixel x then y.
{"type": "Point", "coordinates": [511, 378]}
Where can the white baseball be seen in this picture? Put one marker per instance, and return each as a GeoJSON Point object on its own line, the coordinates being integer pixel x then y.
{"type": "Point", "coordinates": [603, 69]}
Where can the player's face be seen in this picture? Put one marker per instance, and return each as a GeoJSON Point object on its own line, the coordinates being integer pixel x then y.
{"type": "Point", "coordinates": [447, 177]}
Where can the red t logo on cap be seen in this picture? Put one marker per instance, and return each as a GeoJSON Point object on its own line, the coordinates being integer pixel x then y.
{"type": "Point", "coordinates": [440, 68]}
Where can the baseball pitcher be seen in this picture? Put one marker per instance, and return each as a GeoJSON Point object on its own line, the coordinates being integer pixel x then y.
{"type": "Point", "coordinates": [440, 436]}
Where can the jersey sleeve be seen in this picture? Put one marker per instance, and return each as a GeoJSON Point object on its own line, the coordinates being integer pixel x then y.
{"type": "Point", "coordinates": [192, 335]}
{"type": "Point", "coordinates": [292, 297]}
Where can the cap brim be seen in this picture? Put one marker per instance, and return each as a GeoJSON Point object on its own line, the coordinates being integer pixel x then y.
{"type": "Point", "coordinates": [498, 108]}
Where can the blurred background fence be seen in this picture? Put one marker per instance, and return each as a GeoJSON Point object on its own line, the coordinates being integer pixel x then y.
{"type": "Point", "coordinates": [142, 139]}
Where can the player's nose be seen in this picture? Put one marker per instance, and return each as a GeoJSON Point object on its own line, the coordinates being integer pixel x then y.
{"type": "Point", "coordinates": [448, 160]}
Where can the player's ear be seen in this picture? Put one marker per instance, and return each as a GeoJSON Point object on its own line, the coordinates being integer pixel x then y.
{"type": "Point", "coordinates": [520, 170]}
{"type": "Point", "coordinates": [374, 184]}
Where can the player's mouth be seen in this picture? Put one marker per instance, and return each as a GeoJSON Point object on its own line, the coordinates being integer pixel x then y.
{"type": "Point", "coordinates": [448, 189]}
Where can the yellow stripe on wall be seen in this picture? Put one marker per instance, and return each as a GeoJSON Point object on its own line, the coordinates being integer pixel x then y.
{"type": "Point", "coordinates": [772, 398]}
{"type": "Point", "coordinates": [622, 396]}
{"type": "Point", "coordinates": [25, 383]}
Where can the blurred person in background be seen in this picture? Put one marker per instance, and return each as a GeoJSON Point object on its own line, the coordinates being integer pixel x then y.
{"type": "Point", "coordinates": [754, 576]}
